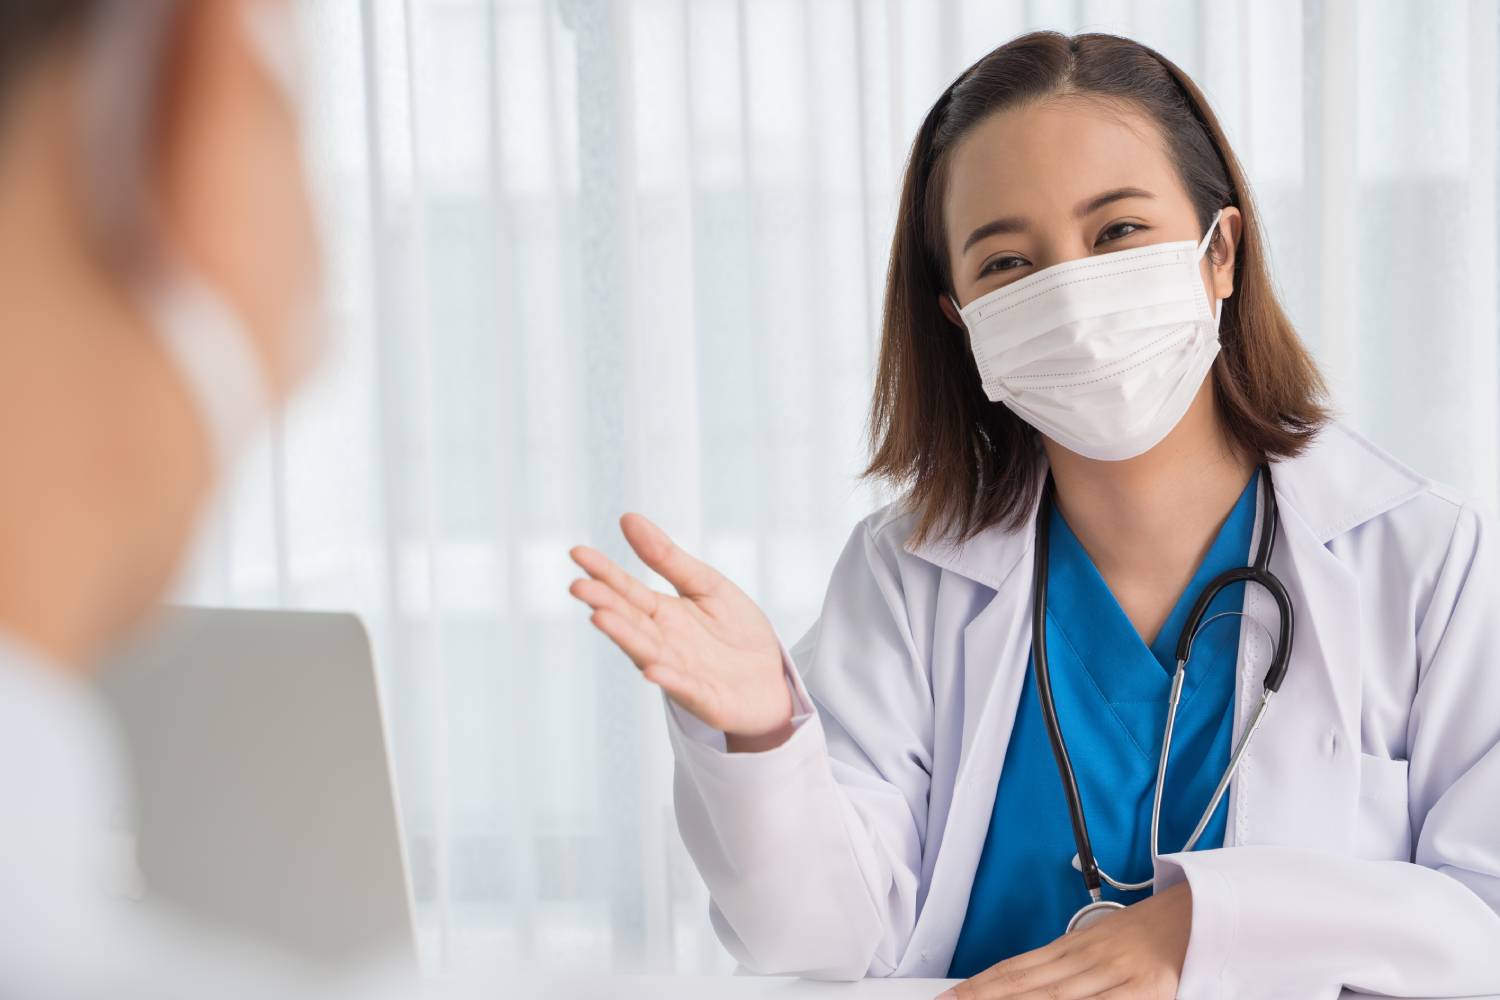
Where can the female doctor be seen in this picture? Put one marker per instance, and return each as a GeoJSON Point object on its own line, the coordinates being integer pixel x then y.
{"type": "Point", "coordinates": [1157, 682]}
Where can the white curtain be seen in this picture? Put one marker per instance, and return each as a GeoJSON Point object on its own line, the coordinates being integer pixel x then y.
{"type": "Point", "coordinates": [587, 257]}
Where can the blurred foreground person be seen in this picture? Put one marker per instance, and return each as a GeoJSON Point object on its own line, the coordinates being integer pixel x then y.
{"type": "Point", "coordinates": [158, 267]}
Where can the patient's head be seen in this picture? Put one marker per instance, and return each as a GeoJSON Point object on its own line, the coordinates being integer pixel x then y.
{"type": "Point", "coordinates": [158, 265]}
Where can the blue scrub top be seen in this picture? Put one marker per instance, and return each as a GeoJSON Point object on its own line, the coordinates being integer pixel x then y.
{"type": "Point", "coordinates": [1111, 696]}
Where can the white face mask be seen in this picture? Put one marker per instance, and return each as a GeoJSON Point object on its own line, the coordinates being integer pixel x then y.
{"type": "Point", "coordinates": [1102, 354]}
{"type": "Point", "coordinates": [205, 338]}
{"type": "Point", "coordinates": [211, 349]}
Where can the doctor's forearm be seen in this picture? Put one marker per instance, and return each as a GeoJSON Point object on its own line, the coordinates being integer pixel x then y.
{"type": "Point", "coordinates": [784, 839]}
{"type": "Point", "coordinates": [1270, 921]}
{"type": "Point", "coordinates": [768, 833]}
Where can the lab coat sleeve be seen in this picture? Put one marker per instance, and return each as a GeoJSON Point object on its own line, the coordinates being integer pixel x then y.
{"type": "Point", "coordinates": [1274, 921]}
{"type": "Point", "coordinates": [812, 850]}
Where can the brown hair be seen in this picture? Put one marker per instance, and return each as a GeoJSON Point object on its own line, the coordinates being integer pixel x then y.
{"type": "Point", "coordinates": [967, 463]}
{"type": "Point", "coordinates": [29, 28]}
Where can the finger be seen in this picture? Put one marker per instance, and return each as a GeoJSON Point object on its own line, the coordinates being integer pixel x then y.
{"type": "Point", "coordinates": [643, 652]}
{"type": "Point", "coordinates": [1120, 991]}
{"type": "Point", "coordinates": [604, 569]}
{"type": "Point", "coordinates": [1026, 960]}
{"type": "Point", "coordinates": [1006, 980]}
{"type": "Point", "coordinates": [691, 692]}
{"type": "Point", "coordinates": [601, 596]}
{"type": "Point", "coordinates": [691, 577]}
{"type": "Point", "coordinates": [1086, 985]}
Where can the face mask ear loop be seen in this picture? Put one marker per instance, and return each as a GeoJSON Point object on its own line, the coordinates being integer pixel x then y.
{"type": "Point", "coordinates": [1213, 227]}
{"type": "Point", "coordinates": [959, 311]}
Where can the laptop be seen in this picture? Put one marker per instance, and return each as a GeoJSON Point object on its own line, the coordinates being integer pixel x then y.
{"type": "Point", "coordinates": [264, 797]}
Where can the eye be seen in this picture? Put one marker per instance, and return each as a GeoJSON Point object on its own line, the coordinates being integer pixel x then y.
{"type": "Point", "coordinates": [997, 264]}
{"type": "Point", "coordinates": [1119, 231]}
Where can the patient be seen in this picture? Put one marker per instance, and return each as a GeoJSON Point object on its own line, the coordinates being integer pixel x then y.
{"type": "Point", "coordinates": [157, 266]}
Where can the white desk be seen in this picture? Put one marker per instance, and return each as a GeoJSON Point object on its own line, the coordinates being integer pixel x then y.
{"type": "Point", "coordinates": [736, 987]}
{"type": "Point", "coordinates": [763, 988]}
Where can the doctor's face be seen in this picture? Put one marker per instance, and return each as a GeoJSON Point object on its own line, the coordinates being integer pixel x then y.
{"type": "Point", "coordinates": [1061, 179]}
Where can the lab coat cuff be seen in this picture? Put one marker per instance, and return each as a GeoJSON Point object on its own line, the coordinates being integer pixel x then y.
{"type": "Point", "coordinates": [1215, 923]}
{"type": "Point", "coordinates": [705, 747]}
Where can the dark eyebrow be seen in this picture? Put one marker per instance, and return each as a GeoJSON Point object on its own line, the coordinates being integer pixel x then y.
{"type": "Point", "coordinates": [1017, 224]}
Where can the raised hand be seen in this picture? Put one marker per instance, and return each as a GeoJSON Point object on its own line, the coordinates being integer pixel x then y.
{"type": "Point", "coordinates": [709, 646]}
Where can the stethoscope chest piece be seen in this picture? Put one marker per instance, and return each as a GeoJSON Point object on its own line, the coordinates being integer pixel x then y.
{"type": "Point", "coordinates": [1092, 914]}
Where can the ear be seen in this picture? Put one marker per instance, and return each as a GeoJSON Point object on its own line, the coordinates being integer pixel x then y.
{"type": "Point", "coordinates": [946, 305]}
{"type": "Point", "coordinates": [1225, 247]}
{"type": "Point", "coordinates": [226, 172]}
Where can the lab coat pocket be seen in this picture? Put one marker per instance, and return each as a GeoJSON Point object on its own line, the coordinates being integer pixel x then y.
{"type": "Point", "coordinates": [1383, 829]}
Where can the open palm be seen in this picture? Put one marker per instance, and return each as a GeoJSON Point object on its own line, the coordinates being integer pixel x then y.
{"type": "Point", "coordinates": [708, 646]}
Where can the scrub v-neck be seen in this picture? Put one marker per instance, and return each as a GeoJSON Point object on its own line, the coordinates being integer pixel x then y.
{"type": "Point", "coordinates": [1110, 690]}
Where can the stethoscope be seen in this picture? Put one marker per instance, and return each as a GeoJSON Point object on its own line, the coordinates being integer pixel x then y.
{"type": "Point", "coordinates": [1258, 572]}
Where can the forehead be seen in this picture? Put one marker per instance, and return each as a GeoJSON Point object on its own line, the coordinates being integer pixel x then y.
{"type": "Point", "coordinates": [1044, 157]}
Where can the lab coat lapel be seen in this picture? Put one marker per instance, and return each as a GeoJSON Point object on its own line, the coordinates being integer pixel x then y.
{"type": "Point", "coordinates": [995, 645]}
{"type": "Point", "coordinates": [1298, 782]}
{"type": "Point", "coordinates": [995, 639]}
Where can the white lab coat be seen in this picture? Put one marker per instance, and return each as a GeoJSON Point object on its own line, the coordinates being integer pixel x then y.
{"type": "Point", "coordinates": [1363, 838]}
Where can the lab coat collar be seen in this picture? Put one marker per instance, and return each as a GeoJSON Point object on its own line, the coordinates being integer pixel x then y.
{"type": "Point", "coordinates": [1338, 483]}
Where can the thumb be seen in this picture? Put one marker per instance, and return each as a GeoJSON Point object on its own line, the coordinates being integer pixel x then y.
{"type": "Point", "coordinates": [691, 577]}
